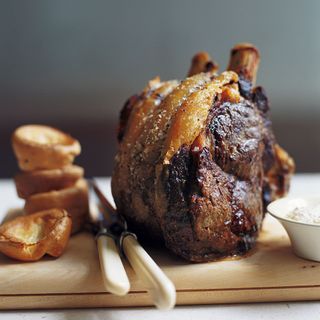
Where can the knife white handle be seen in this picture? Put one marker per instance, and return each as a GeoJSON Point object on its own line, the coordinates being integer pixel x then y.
{"type": "Point", "coordinates": [114, 276]}
{"type": "Point", "coordinates": [162, 290]}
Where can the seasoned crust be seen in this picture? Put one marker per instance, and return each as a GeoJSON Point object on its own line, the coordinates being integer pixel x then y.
{"type": "Point", "coordinates": [222, 200]}
{"type": "Point", "coordinates": [140, 114]}
{"type": "Point", "coordinates": [147, 149]}
{"type": "Point", "coordinates": [190, 118]}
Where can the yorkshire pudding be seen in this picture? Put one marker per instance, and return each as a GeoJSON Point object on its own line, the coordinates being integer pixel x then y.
{"type": "Point", "coordinates": [32, 182]}
{"type": "Point", "coordinates": [41, 147]}
{"type": "Point", "coordinates": [73, 199]}
{"type": "Point", "coordinates": [29, 238]}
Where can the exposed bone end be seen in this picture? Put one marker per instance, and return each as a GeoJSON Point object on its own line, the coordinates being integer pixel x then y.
{"type": "Point", "coordinates": [202, 62]}
{"type": "Point", "coordinates": [244, 60]}
{"type": "Point", "coordinates": [280, 173]}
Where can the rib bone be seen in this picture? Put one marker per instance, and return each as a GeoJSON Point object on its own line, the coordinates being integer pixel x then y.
{"type": "Point", "coordinates": [202, 62]}
{"type": "Point", "coordinates": [244, 60]}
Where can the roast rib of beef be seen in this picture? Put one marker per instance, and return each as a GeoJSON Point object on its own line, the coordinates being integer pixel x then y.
{"type": "Point", "coordinates": [197, 160]}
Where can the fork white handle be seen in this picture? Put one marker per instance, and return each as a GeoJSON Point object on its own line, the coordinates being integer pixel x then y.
{"type": "Point", "coordinates": [160, 287]}
{"type": "Point", "coordinates": [114, 276]}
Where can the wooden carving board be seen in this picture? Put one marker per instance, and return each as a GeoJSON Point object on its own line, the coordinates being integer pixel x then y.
{"type": "Point", "coordinates": [270, 273]}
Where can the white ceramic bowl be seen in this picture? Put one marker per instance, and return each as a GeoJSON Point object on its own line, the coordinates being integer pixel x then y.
{"type": "Point", "coordinates": [304, 237]}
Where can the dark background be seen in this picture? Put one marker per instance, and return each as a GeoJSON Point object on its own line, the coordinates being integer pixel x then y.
{"type": "Point", "coordinates": [72, 64]}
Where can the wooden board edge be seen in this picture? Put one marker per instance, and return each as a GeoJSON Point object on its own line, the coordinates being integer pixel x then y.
{"type": "Point", "coordinates": [142, 299]}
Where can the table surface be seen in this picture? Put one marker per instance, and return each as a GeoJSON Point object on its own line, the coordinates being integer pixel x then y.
{"type": "Point", "coordinates": [303, 184]}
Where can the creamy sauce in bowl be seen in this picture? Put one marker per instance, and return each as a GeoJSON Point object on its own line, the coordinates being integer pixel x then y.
{"type": "Point", "coordinates": [301, 219]}
{"type": "Point", "coordinates": [306, 214]}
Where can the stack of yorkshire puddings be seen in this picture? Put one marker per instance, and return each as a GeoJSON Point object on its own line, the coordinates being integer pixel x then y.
{"type": "Point", "coordinates": [48, 178]}
{"type": "Point", "coordinates": [55, 192]}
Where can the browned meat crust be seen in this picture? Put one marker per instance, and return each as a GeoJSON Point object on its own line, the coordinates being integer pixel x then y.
{"type": "Point", "coordinates": [198, 168]}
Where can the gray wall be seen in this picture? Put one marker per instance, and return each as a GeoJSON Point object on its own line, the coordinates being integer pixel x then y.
{"type": "Point", "coordinates": [74, 63]}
